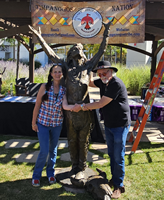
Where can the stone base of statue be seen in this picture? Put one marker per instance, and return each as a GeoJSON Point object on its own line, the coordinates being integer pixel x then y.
{"type": "Point", "coordinates": [66, 177]}
{"type": "Point", "coordinates": [96, 184]}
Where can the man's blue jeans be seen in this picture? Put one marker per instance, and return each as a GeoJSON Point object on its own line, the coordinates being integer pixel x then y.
{"type": "Point", "coordinates": [48, 139]}
{"type": "Point", "coordinates": [116, 141]}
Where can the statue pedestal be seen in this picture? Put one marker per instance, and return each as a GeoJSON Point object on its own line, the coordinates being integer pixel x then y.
{"type": "Point", "coordinates": [63, 177]}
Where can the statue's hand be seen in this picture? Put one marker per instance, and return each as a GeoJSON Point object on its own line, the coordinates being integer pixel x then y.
{"type": "Point", "coordinates": [37, 33]}
{"type": "Point", "coordinates": [107, 26]}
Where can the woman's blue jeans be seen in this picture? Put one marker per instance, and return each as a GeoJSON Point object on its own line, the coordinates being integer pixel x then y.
{"type": "Point", "coordinates": [48, 139]}
{"type": "Point", "coordinates": [116, 141]}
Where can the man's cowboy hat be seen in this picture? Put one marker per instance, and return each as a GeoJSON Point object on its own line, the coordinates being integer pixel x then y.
{"type": "Point", "coordinates": [104, 65]}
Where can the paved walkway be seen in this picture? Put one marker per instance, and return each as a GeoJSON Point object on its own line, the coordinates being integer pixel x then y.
{"type": "Point", "coordinates": [153, 132]}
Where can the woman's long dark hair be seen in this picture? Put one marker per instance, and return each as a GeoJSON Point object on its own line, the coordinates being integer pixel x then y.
{"type": "Point", "coordinates": [48, 84]}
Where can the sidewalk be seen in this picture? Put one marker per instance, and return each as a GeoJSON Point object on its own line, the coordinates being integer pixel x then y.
{"type": "Point", "coordinates": [153, 132]}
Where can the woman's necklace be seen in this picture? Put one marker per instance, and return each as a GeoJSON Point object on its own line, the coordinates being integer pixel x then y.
{"type": "Point", "coordinates": [55, 91]}
{"type": "Point", "coordinates": [56, 88]}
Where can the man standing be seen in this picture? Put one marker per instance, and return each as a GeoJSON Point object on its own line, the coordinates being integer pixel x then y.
{"type": "Point", "coordinates": [116, 114]}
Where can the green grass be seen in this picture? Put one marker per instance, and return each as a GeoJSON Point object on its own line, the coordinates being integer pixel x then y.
{"type": "Point", "coordinates": [143, 179]}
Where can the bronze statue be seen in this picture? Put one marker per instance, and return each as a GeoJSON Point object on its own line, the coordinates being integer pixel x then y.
{"type": "Point", "coordinates": [95, 183]}
{"type": "Point", "coordinates": [77, 76]}
{"type": "Point", "coordinates": [98, 186]}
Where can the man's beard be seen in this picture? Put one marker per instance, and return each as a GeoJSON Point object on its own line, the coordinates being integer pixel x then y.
{"type": "Point", "coordinates": [105, 81]}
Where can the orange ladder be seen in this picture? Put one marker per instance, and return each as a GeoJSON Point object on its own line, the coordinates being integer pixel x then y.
{"type": "Point", "coordinates": [147, 105]}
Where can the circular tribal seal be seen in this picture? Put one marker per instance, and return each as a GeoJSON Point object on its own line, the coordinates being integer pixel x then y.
{"type": "Point", "coordinates": [87, 22]}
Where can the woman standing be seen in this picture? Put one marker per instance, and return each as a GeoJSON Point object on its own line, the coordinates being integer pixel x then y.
{"type": "Point", "coordinates": [47, 122]}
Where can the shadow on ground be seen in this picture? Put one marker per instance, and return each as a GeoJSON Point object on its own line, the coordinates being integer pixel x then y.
{"type": "Point", "coordinates": [22, 189]}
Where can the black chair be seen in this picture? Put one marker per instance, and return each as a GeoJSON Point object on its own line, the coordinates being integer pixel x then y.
{"type": "Point", "coordinates": [22, 86]}
{"type": "Point", "coordinates": [33, 89]}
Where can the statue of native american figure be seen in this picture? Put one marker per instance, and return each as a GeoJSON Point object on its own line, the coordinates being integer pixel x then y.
{"type": "Point", "coordinates": [77, 70]}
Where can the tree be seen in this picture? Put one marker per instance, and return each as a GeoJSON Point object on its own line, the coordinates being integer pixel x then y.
{"type": "Point", "coordinates": [113, 53]}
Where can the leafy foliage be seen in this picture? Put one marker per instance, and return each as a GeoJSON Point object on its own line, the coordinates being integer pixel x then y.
{"type": "Point", "coordinates": [40, 74]}
{"type": "Point", "coordinates": [134, 78]}
{"type": "Point", "coordinates": [110, 53]}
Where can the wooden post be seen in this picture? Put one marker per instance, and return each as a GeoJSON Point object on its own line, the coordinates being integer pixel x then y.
{"type": "Point", "coordinates": [18, 51]}
{"type": "Point", "coordinates": [120, 56]}
{"type": "Point", "coordinates": [154, 59]}
{"type": "Point", "coordinates": [31, 62]}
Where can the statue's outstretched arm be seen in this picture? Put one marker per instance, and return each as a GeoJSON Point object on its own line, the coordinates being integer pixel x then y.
{"type": "Point", "coordinates": [47, 49]}
{"type": "Point", "coordinates": [103, 45]}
